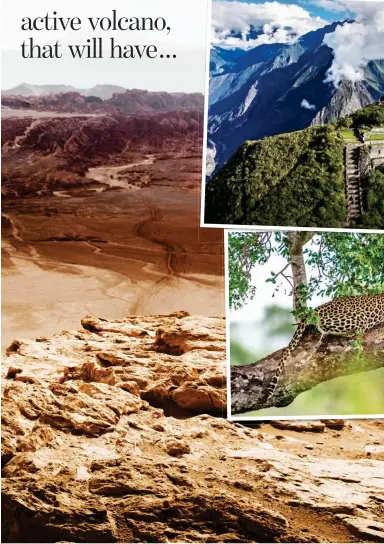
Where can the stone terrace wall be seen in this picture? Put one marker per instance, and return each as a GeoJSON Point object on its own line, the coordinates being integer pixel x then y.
{"type": "Point", "coordinates": [377, 154]}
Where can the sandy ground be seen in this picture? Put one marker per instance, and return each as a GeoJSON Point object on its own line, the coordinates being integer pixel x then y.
{"type": "Point", "coordinates": [40, 301]}
{"type": "Point", "coordinates": [35, 114]}
{"type": "Point", "coordinates": [107, 253]}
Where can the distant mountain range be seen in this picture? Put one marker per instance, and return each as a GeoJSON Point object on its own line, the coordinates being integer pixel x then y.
{"type": "Point", "coordinates": [279, 88]}
{"type": "Point", "coordinates": [101, 91]}
{"type": "Point", "coordinates": [57, 98]}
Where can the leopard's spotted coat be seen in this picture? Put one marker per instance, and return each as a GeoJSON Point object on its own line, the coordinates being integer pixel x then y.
{"type": "Point", "coordinates": [346, 316]}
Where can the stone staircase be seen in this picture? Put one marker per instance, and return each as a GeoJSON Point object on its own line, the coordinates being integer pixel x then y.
{"type": "Point", "coordinates": [352, 182]}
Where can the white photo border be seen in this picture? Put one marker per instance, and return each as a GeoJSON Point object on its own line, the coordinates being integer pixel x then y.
{"type": "Point", "coordinates": [231, 417]}
{"type": "Point", "coordinates": [204, 166]}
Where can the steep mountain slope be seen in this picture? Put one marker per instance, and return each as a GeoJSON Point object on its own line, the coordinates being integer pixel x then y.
{"type": "Point", "coordinates": [290, 179]}
{"type": "Point", "coordinates": [297, 179]}
{"type": "Point", "coordinates": [351, 96]}
{"type": "Point", "coordinates": [261, 92]}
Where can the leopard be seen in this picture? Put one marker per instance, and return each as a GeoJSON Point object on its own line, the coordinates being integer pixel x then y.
{"type": "Point", "coordinates": [344, 316]}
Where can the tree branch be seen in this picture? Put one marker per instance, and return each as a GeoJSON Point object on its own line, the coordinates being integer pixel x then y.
{"type": "Point", "coordinates": [306, 368]}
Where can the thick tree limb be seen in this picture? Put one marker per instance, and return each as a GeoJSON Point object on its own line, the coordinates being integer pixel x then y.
{"type": "Point", "coordinates": [306, 368]}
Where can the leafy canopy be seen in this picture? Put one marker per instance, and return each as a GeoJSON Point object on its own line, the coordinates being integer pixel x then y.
{"type": "Point", "coordinates": [341, 264]}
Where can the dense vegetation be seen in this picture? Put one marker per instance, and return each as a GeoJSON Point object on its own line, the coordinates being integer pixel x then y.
{"type": "Point", "coordinates": [296, 179]}
{"type": "Point", "coordinates": [371, 116]}
{"type": "Point", "coordinates": [373, 201]}
{"type": "Point", "coordinates": [290, 179]}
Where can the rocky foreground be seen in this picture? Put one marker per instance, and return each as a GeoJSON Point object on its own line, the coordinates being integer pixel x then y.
{"type": "Point", "coordinates": [115, 433]}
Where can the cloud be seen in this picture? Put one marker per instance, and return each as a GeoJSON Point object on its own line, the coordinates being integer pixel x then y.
{"type": "Point", "coordinates": [307, 106]}
{"type": "Point", "coordinates": [232, 23]}
{"type": "Point", "coordinates": [356, 43]}
{"type": "Point", "coordinates": [331, 5]}
{"type": "Point", "coordinates": [351, 6]}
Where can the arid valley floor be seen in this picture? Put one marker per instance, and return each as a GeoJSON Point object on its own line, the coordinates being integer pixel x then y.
{"type": "Point", "coordinates": [114, 236]}
{"type": "Point", "coordinates": [116, 431]}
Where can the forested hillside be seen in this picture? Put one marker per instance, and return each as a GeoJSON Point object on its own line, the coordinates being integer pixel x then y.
{"type": "Point", "coordinates": [297, 179]}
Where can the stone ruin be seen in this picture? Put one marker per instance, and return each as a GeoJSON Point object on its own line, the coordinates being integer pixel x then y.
{"type": "Point", "coordinates": [371, 156]}
{"type": "Point", "coordinates": [376, 153]}
{"type": "Point", "coordinates": [360, 159]}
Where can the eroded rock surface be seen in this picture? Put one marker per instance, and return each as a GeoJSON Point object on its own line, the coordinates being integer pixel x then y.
{"type": "Point", "coordinates": [114, 434]}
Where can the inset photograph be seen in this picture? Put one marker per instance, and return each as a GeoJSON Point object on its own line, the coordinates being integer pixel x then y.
{"type": "Point", "coordinates": [295, 115]}
{"type": "Point", "coordinates": [305, 324]}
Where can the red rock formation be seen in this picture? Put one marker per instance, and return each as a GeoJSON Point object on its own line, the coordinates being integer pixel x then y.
{"type": "Point", "coordinates": [138, 101]}
{"type": "Point", "coordinates": [53, 153]}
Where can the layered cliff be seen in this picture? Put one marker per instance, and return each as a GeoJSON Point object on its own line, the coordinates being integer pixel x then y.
{"type": "Point", "coordinates": [43, 155]}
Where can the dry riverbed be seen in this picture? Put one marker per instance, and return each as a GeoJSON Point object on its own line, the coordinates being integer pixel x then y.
{"type": "Point", "coordinates": [112, 250]}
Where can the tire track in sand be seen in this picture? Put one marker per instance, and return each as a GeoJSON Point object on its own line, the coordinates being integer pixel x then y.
{"type": "Point", "coordinates": [171, 260]}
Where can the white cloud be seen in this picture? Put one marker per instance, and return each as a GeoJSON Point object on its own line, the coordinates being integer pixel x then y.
{"type": "Point", "coordinates": [357, 43]}
{"type": "Point", "coordinates": [279, 23]}
{"type": "Point", "coordinates": [331, 5]}
{"type": "Point", "coordinates": [344, 5]}
{"type": "Point", "coordinates": [307, 106]}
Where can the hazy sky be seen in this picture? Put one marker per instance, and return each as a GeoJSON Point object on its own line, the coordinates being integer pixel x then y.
{"type": "Point", "coordinates": [187, 39]}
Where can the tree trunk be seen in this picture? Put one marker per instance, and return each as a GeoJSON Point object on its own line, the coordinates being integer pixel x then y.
{"type": "Point", "coordinates": [296, 242]}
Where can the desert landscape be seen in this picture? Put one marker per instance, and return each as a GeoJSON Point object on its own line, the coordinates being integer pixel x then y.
{"type": "Point", "coordinates": [116, 431]}
{"type": "Point", "coordinates": [101, 209]}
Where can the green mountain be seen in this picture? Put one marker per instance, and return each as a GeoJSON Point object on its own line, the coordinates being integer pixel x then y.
{"type": "Point", "coordinates": [298, 179]}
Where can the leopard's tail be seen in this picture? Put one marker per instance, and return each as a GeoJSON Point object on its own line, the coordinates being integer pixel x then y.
{"type": "Point", "coordinates": [293, 343]}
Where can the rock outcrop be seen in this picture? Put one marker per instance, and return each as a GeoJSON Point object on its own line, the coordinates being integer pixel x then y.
{"type": "Point", "coordinates": [40, 156]}
{"type": "Point", "coordinates": [114, 433]}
